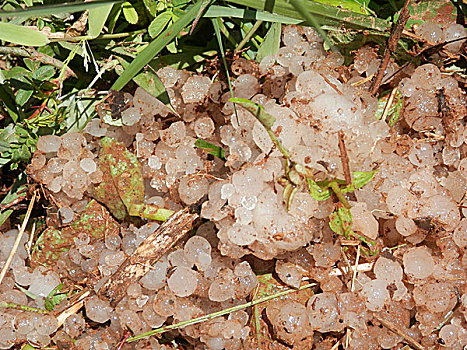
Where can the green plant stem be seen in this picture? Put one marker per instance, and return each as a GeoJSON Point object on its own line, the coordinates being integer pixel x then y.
{"type": "Point", "coordinates": [248, 35]}
{"type": "Point", "coordinates": [22, 307]}
{"type": "Point", "coordinates": [100, 37]}
{"type": "Point", "coordinates": [337, 191]}
{"type": "Point", "coordinates": [216, 314]}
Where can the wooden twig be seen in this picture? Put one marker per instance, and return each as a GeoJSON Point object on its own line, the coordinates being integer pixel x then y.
{"type": "Point", "coordinates": [344, 158]}
{"type": "Point", "coordinates": [73, 309]}
{"type": "Point", "coordinates": [18, 238]}
{"type": "Point", "coordinates": [150, 251]}
{"type": "Point", "coordinates": [391, 47]}
{"type": "Point", "coordinates": [409, 339]}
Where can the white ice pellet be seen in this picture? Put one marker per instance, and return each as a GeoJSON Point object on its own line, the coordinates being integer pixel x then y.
{"type": "Point", "coordinates": [97, 310]}
{"type": "Point", "coordinates": [43, 285]}
{"type": "Point", "coordinates": [49, 143]}
{"type": "Point", "coordinates": [453, 32]}
{"type": "Point", "coordinates": [66, 214]}
{"type": "Point", "coordinates": [430, 31]}
{"type": "Point", "coordinates": [227, 190]}
{"type": "Point", "coordinates": [154, 162]}
{"type": "Point", "coordinates": [131, 116]}
{"type": "Point", "coordinates": [88, 165]}
{"type": "Point", "coordinates": [198, 250]}
{"type": "Point", "coordinates": [418, 263]}
{"type": "Point", "coordinates": [195, 89]}
{"type": "Point", "coordinates": [204, 127]}
{"type": "Point", "coordinates": [183, 281]}
{"type": "Point", "coordinates": [376, 294]}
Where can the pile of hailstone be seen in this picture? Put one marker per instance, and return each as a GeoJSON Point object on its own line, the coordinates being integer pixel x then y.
{"type": "Point", "coordinates": [415, 204]}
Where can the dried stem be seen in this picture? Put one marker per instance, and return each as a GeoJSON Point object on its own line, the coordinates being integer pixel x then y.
{"type": "Point", "coordinates": [391, 47]}
{"type": "Point", "coordinates": [18, 238]}
{"type": "Point", "coordinates": [150, 251]}
{"type": "Point", "coordinates": [344, 158]}
{"type": "Point", "coordinates": [400, 332]}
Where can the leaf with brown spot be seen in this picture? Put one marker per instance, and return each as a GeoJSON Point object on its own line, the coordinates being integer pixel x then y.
{"type": "Point", "coordinates": [95, 221]}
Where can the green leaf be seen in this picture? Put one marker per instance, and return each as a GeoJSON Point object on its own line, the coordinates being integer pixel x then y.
{"type": "Point", "coordinates": [340, 222]}
{"type": "Point", "coordinates": [6, 96]}
{"type": "Point", "coordinates": [257, 110]}
{"type": "Point", "coordinates": [130, 13]}
{"type": "Point", "coordinates": [44, 73]}
{"type": "Point", "coordinates": [97, 18]}
{"type": "Point", "coordinates": [122, 182]}
{"type": "Point", "coordinates": [361, 178]}
{"type": "Point", "coordinates": [318, 192]}
{"type": "Point", "coordinates": [351, 5]}
{"type": "Point", "coordinates": [216, 151]}
{"type": "Point", "coordinates": [53, 298]}
{"type": "Point", "coordinates": [159, 23]}
{"type": "Point", "coordinates": [22, 96]}
{"type": "Point", "coordinates": [56, 9]}
{"type": "Point", "coordinates": [21, 35]}
{"type": "Point", "coordinates": [271, 42]}
{"type": "Point", "coordinates": [95, 221]}
{"type": "Point", "coordinates": [145, 56]}
{"type": "Point", "coordinates": [248, 14]}
{"type": "Point", "coordinates": [16, 191]}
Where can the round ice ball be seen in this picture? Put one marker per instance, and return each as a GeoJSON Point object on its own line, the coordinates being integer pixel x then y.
{"type": "Point", "coordinates": [131, 116]}
{"type": "Point", "coordinates": [418, 263]}
{"type": "Point", "coordinates": [198, 251]}
{"type": "Point", "coordinates": [49, 143]}
{"type": "Point", "coordinates": [97, 310]}
{"type": "Point", "coordinates": [183, 281]}
{"type": "Point", "coordinates": [192, 189]}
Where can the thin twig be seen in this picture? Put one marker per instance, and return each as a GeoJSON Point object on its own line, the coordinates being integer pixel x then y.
{"type": "Point", "coordinates": [18, 238]}
{"type": "Point", "coordinates": [344, 158]}
{"type": "Point", "coordinates": [248, 35]}
{"type": "Point", "coordinates": [391, 47]}
{"type": "Point", "coordinates": [31, 237]}
{"type": "Point", "coordinates": [387, 107]}
{"type": "Point", "coordinates": [400, 332]}
{"type": "Point", "coordinates": [73, 309]}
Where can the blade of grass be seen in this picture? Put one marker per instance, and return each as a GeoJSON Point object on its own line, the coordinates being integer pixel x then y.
{"type": "Point", "coordinates": [271, 42]}
{"type": "Point", "coordinates": [156, 46]}
{"type": "Point", "coordinates": [217, 314]}
{"type": "Point", "coordinates": [21, 35]}
{"type": "Point", "coordinates": [215, 24]}
{"type": "Point", "coordinates": [248, 35]}
{"type": "Point", "coordinates": [329, 15]}
{"type": "Point", "coordinates": [47, 10]}
{"type": "Point", "coordinates": [248, 14]}
{"type": "Point", "coordinates": [97, 18]}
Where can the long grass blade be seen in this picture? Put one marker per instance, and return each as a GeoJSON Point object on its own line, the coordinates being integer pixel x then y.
{"type": "Point", "coordinates": [47, 10]}
{"type": "Point", "coordinates": [156, 46]}
{"type": "Point", "coordinates": [248, 14]}
{"type": "Point", "coordinates": [271, 42]}
{"type": "Point", "coordinates": [327, 15]}
{"type": "Point", "coordinates": [97, 18]}
{"type": "Point", "coordinates": [21, 35]}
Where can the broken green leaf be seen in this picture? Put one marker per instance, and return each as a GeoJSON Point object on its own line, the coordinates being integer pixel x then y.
{"type": "Point", "coordinates": [54, 298]}
{"type": "Point", "coordinates": [317, 192]}
{"type": "Point", "coordinates": [257, 110]}
{"type": "Point", "coordinates": [216, 151]}
{"type": "Point", "coordinates": [340, 222]}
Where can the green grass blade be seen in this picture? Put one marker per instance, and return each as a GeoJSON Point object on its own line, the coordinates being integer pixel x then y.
{"type": "Point", "coordinates": [97, 18]}
{"type": "Point", "coordinates": [217, 31]}
{"type": "Point", "coordinates": [271, 42]}
{"type": "Point", "coordinates": [248, 14]}
{"type": "Point", "coordinates": [156, 46]}
{"type": "Point", "coordinates": [47, 10]}
{"type": "Point", "coordinates": [327, 15]}
{"type": "Point", "coordinates": [22, 35]}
